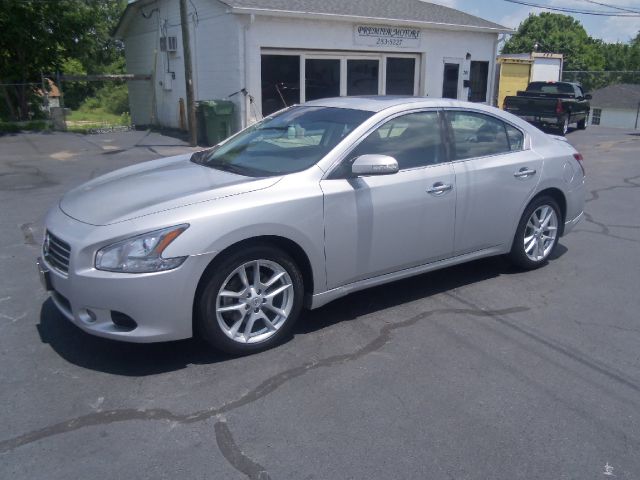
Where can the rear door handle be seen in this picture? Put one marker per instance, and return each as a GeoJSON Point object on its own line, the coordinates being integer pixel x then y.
{"type": "Point", "coordinates": [439, 188]}
{"type": "Point", "coordinates": [524, 172]}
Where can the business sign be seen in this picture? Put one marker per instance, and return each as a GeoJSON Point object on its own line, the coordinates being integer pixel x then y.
{"type": "Point", "coordinates": [387, 36]}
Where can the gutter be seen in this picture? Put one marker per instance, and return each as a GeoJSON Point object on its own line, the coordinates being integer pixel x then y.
{"type": "Point", "coordinates": [351, 18]}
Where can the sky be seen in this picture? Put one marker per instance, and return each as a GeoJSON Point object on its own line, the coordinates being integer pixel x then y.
{"type": "Point", "coordinates": [609, 29]}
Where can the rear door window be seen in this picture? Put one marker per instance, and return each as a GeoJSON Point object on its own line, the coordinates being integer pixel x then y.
{"type": "Point", "coordinates": [477, 135]}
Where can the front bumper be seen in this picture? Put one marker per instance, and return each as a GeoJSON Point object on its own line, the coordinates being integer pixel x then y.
{"type": "Point", "coordinates": [161, 303]}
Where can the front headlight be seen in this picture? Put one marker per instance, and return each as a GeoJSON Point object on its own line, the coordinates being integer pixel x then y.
{"type": "Point", "coordinates": [141, 254]}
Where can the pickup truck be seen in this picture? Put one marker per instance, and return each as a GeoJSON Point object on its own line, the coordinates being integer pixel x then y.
{"type": "Point", "coordinates": [555, 104]}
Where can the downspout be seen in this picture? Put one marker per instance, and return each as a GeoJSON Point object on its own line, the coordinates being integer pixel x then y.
{"type": "Point", "coordinates": [244, 117]}
{"type": "Point", "coordinates": [494, 94]}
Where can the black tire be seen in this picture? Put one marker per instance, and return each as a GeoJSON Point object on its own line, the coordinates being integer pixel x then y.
{"type": "Point", "coordinates": [563, 126]}
{"type": "Point", "coordinates": [582, 124]}
{"type": "Point", "coordinates": [518, 255]}
{"type": "Point", "coordinates": [206, 320]}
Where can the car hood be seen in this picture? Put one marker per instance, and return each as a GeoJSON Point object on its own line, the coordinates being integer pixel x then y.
{"type": "Point", "coordinates": [152, 187]}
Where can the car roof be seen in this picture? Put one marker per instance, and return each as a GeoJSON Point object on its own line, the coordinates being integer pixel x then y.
{"type": "Point", "coordinates": [377, 103]}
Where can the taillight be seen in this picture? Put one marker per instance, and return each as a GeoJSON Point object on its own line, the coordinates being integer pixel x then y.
{"type": "Point", "coordinates": [559, 107]}
{"type": "Point", "coordinates": [578, 156]}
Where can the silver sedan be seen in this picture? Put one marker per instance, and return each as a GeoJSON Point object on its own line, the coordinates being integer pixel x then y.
{"type": "Point", "coordinates": [308, 205]}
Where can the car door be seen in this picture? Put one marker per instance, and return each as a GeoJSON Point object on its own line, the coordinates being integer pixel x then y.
{"type": "Point", "coordinates": [385, 223]}
{"type": "Point", "coordinates": [495, 177]}
{"type": "Point", "coordinates": [581, 105]}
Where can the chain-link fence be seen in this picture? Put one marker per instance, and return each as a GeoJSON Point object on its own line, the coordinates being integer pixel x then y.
{"type": "Point", "coordinates": [77, 103]}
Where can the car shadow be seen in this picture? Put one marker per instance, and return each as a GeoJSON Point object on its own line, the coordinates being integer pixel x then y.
{"type": "Point", "coordinates": [137, 360]}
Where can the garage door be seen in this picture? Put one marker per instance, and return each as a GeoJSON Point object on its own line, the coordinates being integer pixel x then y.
{"type": "Point", "coordinates": [513, 77]}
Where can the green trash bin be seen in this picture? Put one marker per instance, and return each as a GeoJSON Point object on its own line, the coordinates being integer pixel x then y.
{"type": "Point", "coordinates": [217, 119]}
{"type": "Point", "coordinates": [202, 130]}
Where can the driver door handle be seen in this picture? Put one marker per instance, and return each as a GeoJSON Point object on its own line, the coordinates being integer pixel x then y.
{"type": "Point", "coordinates": [439, 188]}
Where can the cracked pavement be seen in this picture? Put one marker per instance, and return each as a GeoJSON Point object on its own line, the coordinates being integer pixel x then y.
{"type": "Point", "coordinates": [477, 371]}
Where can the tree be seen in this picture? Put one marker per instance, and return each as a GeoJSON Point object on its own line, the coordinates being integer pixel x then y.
{"type": "Point", "coordinates": [555, 33]}
{"type": "Point", "coordinates": [41, 36]}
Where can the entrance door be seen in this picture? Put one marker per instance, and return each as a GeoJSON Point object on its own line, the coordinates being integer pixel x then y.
{"type": "Point", "coordinates": [450, 81]}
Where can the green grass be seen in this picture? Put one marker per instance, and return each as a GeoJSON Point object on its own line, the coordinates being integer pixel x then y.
{"type": "Point", "coordinates": [83, 120]}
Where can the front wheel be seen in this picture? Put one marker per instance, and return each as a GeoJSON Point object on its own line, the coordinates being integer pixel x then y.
{"type": "Point", "coordinates": [250, 301]}
{"type": "Point", "coordinates": [537, 234]}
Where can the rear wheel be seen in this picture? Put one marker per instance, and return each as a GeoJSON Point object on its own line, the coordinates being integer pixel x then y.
{"type": "Point", "coordinates": [563, 126]}
{"type": "Point", "coordinates": [537, 234]}
{"type": "Point", "coordinates": [582, 124]}
{"type": "Point", "coordinates": [250, 301]}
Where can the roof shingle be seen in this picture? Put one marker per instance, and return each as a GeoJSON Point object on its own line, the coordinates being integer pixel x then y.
{"type": "Point", "coordinates": [623, 95]}
{"type": "Point", "coordinates": [405, 10]}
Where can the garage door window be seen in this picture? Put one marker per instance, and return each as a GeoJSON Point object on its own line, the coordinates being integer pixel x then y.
{"type": "Point", "coordinates": [280, 82]}
{"type": "Point", "coordinates": [322, 78]}
{"type": "Point", "coordinates": [362, 77]}
{"type": "Point", "coordinates": [401, 74]}
{"type": "Point", "coordinates": [295, 77]}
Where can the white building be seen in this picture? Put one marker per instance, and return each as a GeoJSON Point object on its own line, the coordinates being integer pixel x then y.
{"type": "Point", "coordinates": [281, 52]}
{"type": "Point", "coordinates": [616, 106]}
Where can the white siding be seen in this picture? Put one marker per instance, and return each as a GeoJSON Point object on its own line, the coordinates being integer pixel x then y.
{"type": "Point", "coordinates": [617, 118]}
{"type": "Point", "coordinates": [546, 69]}
{"type": "Point", "coordinates": [226, 52]}
{"type": "Point", "coordinates": [214, 52]}
{"type": "Point", "coordinates": [216, 47]}
{"type": "Point", "coordinates": [436, 46]}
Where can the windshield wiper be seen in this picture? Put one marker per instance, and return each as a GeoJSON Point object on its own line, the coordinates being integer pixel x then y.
{"type": "Point", "coordinates": [229, 167]}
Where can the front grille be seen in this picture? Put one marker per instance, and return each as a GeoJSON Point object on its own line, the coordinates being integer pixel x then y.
{"type": "Point", "coordinates": [56, 252]}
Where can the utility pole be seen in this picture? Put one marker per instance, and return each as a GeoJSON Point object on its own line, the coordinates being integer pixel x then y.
{"type": "Point", "coordinates": [188, 74]}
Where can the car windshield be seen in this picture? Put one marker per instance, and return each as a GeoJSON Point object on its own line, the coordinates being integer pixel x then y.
{"type": "Point", "coordinates": [288, 142]}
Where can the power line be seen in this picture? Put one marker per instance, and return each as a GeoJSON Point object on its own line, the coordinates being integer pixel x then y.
{"type": "Point", "coordinates": [616, 7]}
{"type": "Point", "coordinates": [575, 10]}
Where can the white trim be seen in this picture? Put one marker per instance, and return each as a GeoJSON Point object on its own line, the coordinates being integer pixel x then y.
{"type": "Point", "coordinates": [351, 18]}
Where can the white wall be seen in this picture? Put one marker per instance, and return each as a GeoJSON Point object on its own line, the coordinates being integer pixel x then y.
{"type": "Point", "coordinates": [617, 118]}
{"type": "Point", "coordinates": [226, 52]}
{"type": "Point", "coordinates": [546, 70]}
{"type": "Point", "coordinates": [436, 45]}
{"type": "Point", "coordinates": [215, 53]}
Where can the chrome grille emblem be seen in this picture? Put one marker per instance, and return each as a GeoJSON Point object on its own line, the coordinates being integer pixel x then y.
{"type": "Point", "coordinates": [46, 245]}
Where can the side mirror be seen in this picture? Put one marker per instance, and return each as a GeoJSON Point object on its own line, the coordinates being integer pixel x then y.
{"type": "Point", "coordinates": [588, 96]}
{"type": "Point", "coordinates": [367, 165]}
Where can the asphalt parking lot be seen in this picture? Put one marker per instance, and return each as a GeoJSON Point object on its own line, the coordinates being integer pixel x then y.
{"type": "Point", "coordinates": [473, 372]}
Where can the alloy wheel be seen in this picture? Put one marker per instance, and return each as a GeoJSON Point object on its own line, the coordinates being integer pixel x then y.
{"type": "Point", "coordinates": [254, 301]}
{"type": "Point", "coordinates": [540, 233]}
